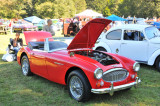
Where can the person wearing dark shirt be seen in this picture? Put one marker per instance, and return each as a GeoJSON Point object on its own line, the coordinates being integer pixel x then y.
{"type": "Point", "coordinates": [17, 43]}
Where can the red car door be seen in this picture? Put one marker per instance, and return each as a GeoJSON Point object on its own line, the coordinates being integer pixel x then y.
{"type": "Point", "coordinates": [56, 67]}
{"type": "Point", "coordinates": [38, 63]}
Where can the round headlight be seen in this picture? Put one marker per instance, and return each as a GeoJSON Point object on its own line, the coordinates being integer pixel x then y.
{"type": "Point", "coordinates": [98, 73]}
{"type": "Point", "coordinates": [136, 66]}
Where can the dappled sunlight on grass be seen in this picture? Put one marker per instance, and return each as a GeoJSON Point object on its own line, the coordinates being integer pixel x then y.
{"type": "Point", "coordinates": [4, 62]}
{"type": "Point", "coordinates": [153, 85]}
{"type": "Point", "coordinates": [29, 92]}
{"type": "Point", "coordinates": [25, 92]}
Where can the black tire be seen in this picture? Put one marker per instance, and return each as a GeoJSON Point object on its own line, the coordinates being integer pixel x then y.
{"type": "Point", "coordinates": [101, 49]}
{"type": "Point", "coordinates": [86, 92]}
{"type": "Point", "coordinates": [25, 69]}
{"type": "Point", "coordinates": [158, 63]}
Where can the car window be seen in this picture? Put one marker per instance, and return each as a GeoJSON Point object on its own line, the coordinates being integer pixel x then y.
{"type": "Point", "coordinates": [152, 32]}
{"type": "Point", "coordinates": [53, 45]}
{"type": "Point", "coordinates": [114, 35]}
{"type": "Point", "coordinates": [133, 35]}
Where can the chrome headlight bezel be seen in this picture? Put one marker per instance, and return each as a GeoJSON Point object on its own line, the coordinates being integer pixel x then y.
{"type": "Point", "coordinates": [136, 66]}
{"type": "Point", "coordinates": [98, 73]}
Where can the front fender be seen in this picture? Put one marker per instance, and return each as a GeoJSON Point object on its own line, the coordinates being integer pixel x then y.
{"type": "Point", "coordinates": [104, 45]}
{"type": "Point", "coordinates": [126, 62]}
{"type": "Point", "coordinates": [25, 50]}
{"type": "Point", "coordinates": [152, 59]}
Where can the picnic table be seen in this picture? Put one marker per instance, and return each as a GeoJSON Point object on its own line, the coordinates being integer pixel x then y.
{"type": "Point", "coordinates": [3, 29]}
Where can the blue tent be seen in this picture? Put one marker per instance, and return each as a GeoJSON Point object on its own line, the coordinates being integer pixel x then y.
{"type": "Point", "coordinates": [33, 19]}
{"type": "Point", "coordinates": [156, 24]}
{"type": "Point", "coordinates": [115, 18]}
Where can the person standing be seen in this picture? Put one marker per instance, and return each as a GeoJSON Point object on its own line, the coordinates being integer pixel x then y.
{"type": "Point", "coordinates": [48, 27]}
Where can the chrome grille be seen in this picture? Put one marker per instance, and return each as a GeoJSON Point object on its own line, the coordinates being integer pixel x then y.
{"type": "Point", "coordinates": [113, 75]}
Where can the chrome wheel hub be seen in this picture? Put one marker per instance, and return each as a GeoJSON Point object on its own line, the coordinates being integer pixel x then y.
{"type": "Point", "coordinates": [25, 67]}
{"type": "Point", "coordinates": [76, 87]}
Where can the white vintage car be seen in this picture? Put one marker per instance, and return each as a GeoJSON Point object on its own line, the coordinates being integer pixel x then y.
{"type": "Point", "coordinates": [137, 42]}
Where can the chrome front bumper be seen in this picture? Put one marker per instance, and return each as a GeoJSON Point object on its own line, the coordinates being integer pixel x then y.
{"type": "Point", "coordinates": [116, 88]}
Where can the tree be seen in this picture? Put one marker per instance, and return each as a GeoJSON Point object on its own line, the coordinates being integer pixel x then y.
{"type": "Point", "coordinates": [11, 8]}
{"type": "Point", "coordinates": [45, 10]}
{"type": "Point", "coordinates": [138, 8]}
{"type": "Point", "coordinates": [106, 12]}
{"type": "Point", "coordinates": [80, 5]}
{"type": "Point", "coordinates": [68, 8]}
{"type": "Point", "coordinates": [64, 8]}
{"type": "Point", "coordinates": [30, 7]}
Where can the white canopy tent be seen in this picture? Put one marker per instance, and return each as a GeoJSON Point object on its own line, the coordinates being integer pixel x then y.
{"type": "Point", "coordinates": [90, 13]}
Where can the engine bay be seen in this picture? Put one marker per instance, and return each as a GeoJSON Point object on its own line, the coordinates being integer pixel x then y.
{"type": "Point", "coordinates": [102, 58]}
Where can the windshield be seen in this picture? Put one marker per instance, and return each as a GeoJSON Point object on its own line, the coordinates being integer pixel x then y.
{"type": "Point", "coordinates": [56, 45]}
{"type": "Point", "coordinates": [152, 32]}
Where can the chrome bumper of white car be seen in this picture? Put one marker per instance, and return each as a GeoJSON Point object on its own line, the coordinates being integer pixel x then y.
{"type": "Point", "coordinates": [116, 88]}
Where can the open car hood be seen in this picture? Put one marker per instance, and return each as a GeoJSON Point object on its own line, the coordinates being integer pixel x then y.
{"type": "Point", "coordinates": [89, 34]}
{"type": "Point", "coordinates": [31, 36]}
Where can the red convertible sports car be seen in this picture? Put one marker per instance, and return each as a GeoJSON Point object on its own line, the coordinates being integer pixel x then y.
{"type": "Point", "coordinates": [82, 69]}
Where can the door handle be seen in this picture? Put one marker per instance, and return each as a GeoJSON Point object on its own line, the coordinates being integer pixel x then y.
{"type": "Point", "coordinates": [58, 63]}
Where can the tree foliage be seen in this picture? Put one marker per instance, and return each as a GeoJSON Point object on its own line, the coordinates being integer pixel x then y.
{"type": "Point", "coordinates": [68, 8]}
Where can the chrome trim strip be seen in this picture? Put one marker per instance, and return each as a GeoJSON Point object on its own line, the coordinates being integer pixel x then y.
{"type": "Point", "coordinates": [116, 88]}
{"type": "Point", "coordinates": [57, 50]}
{"type": "Point", "coordinates": [114, 69]}
{"type": "Point", "coordinates": [38, 50]}
{"type": "Point", "coordinates": [58, 63]}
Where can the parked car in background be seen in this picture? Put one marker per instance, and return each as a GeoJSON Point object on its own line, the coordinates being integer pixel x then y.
{"type": "Point", "coordinates": [57, 24]}
{"type": "Point", "coordinates": [136, 21]}
{"type": "Point", "coordinates": [82, 69]}
{"type": "Point", "coordinates": [41, 24]}
{"type": "Point", "coordinates": [156, 24]}
{"type": "Point", "coordinates": [21, 26]}
{"type": "Point", "coordinates": [137, 42]}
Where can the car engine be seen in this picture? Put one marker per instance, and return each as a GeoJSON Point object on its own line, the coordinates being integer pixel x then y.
{"type": "Point", "coordinates": [102, 58]}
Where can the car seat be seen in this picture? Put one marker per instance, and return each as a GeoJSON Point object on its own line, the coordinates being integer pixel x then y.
{"type": "Point", "coordinates": [126, 36]}
{"type": "Point", "coordinates": [132, 36]}
{"type": "Point", "coordinates": [136, 36]}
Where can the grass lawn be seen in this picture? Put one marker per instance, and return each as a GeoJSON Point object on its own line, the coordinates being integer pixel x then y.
{"type": "Point", "coordinates": [18, 90]}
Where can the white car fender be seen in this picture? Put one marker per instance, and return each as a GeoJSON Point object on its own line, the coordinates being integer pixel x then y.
{"type": "Point", "coordinates": [152, 59]}
{"type": "Point", "coordinates": [104, 45]}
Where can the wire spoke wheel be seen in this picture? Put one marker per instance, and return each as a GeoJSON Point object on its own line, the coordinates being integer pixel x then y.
{"type": "Point", "coordinates": [25, 67]}
{"type": "Point", "coordinates": [76, 87]}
